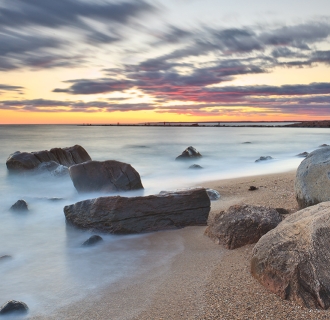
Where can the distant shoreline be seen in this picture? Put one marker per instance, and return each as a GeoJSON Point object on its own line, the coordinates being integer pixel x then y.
{"type": "Point", "coordinates": [265, 124]}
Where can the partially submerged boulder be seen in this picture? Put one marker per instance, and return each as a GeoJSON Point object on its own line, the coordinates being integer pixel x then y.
{"type": "Point", "coordinates": [195, 166]}
{"type": "Point", "coordinates": [105, 176]}
{"type": "Point", "coordinates": [303, 154]}
{"type": "Point", "coordinates": [141, 214]}
{"type": "Point", "coordinates": [241, 225]}
{"type": "Point", "coordinates": [92, 240]}
{"type": "Point", "coordinates": [13, 306]}
{"type": "Point", "coordinates": [19, 205]}
{"type": "Point", "coordinates": [312, 184]}
{"type": "Point", "coordinates": [262, 158]}
{"type": "Point", "coordinates": [292, 260]}
{"type": "Point", "coordinates": [25, 161]}
{"type": "Point", "coordinates": [189, 153]}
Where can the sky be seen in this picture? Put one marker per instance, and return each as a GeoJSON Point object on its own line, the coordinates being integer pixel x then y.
{"type": "Point", "coordinates": [138, 61]}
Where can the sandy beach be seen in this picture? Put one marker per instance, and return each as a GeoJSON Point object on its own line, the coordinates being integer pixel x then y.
{"type": "Point", "coordinates": [203, 281]}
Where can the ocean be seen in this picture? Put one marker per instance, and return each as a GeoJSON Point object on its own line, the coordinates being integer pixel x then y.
{"type": "Point", "coordinates": [49, 268]}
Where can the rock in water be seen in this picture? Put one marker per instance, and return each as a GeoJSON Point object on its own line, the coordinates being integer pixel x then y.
{"type": "Point", "coordinates": [264, 158]}
{"type": "Point", "coordinates": [19, 205]}
{"type": "Point", "coordinates": [312, 184]}
{"type": "Point", "coordinates": [105, 176]}
{"type": "Point", "coordinates": [241, 225]}
{"type": "Point", "coordinates": [303, 154]}
{"type": "Point", "coordinates": [24, 161]}
{"type": "Point", "coordinates": [91, 241]}
{"type": "Point", "coordinates": [141, 214]}
{"type": "Point", "coordinates": [13, 306]}
{"type": "Point", "coordinates": [195, 166]}
{"type": "Point", "coordinates": [189, 153]}
{"type": "Point", "coordinates": [292, 260]}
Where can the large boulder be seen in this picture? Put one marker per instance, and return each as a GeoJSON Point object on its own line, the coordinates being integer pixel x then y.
{"type": "Point", "coordinates": [25, 161]}
{"type": "Point", "coordinates": [312, 184]}
{"type": "Point", "coordinates": [105, 176]}
{"type": "Point", "coordinates": [141, 214]}
{"type": "Point", "coordinates": [189, 153]}
{"type": "Point", "coordinates": [292, 260]}
{"type": "Point", "coordinates": [241, 225]}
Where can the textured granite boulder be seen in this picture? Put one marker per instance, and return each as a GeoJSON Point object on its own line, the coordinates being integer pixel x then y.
{"type": "Point", "coordinates": [141, 214]}
{"type": "Point", "coordinates": [262, 158]}
{"type": "Point", "coordinates": [105, 176]}
{"type": "Point", "coordinates": [92, 240]}
{"type": "Point", "coordinates": [19, 205]}
{"type": "Point", "coordinates": [25, 161]}
{"type": "Point", "coordinates": [292, 260]}
{"type": "Point", "coordinates": [312, 184]}
{"type": "Point", "coordinates": [241, 225]}
{"type": "Point", "coordinates": [189, 153]}
{"type": "Point", "coordinates": [13, 306]}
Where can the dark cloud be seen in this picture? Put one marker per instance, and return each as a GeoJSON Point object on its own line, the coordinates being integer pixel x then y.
{"type": "Point", "coordinates": [84, 86]}
{"type": "Point", "coordinates": [55, 14]}
{"type": "Point", "coordinates": [173, 35]}
{"type": "Point", "coordinates": [4, 87]}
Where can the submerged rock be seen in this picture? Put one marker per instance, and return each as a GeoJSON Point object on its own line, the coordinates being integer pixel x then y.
{"type": "Point", "coordinates": [5, 257]}
{"type": "Point", "coordinates": [19, 205]}
{"type": "Point", "coordinates": [312, 183]}
{"type": "Point", "coordinates": [189, 153]}
{"type": "Point", "coordinates": [292, 260]}
{"type": "Point", "coordinates": [303, 154]}
{"type": "Point", "coordinates": [13, 306]}
{"type": "Point", "coordinates": [91, 241]}
{"type": "Point", "coordinates": [241, 225]}
{"type": "Point", "coordinates": [195, 166]}
{"type": "Point", "coordinates": [324, 145]}
{"type": "Point", "coordinates": [262, 158]}
{"type": "Point", "coordinates": [105, 176]}
{"type": "Point", "coordinates": [25, 161]}
{"type": "Point", "coordinates": [54, 168]}
{"type": "Point", "coordinates": [141, 214]}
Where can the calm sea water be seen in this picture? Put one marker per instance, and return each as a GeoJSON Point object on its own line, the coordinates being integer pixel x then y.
{"type": "Point", "coordinates": [49, 268]}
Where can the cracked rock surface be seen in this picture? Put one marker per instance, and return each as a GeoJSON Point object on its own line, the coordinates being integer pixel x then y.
{"type": "Point", "coordinates": [141, 214]}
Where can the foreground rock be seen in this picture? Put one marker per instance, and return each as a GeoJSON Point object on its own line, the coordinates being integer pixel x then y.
{"type": "Point", "coordinates": [25, 161]}
{"type": "Point", "coordinates": [213, 194]}
{"type": "Point", "coordinates": [241, 225]}
{"type": "Point", "coordinates": [105, 176]}
{"type": "Point", "coordinates": [312, 184]}
{"type": "Point", "coordinates": [141, 214]}
{"type": "Point", "coordinates": [91, 241]}
{"type": "Point", "coordinates": [264, 158]}
{"type": "Point", "coordinates": [189, 153]}
{"type": "Point", "coordinates": [13, 306]}
{"type": "Point", "coordinates": [292, 260]}
{"type": "Point", "coordinates": [19, 205]}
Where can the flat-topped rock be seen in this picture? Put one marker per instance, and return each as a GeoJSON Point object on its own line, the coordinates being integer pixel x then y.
{"type": "Point", "coordinates": [292, 260]}
{"type": "Point", "coordinates": [123, 215]}
{"type": "Point", "coordinates": [189, 153]}
{"type": "Point", "coordinates": [105, 176]}
{"type": "Point", "coordinates": [25, 161]}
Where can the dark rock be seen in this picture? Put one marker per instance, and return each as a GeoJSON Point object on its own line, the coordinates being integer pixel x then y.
{"type": "Point", "coordinates": [241, 225]}
{"type": "Point", "coordinates": [282, 211]}
{"type": "Point", "coordinates": [24, 161]}
{"type": "Point", "coordinates": [105, 176]}
{"type": "Point", "coordinates": [292, 260]}
{"type": "Point", "coordinates": [247, 142]}
{"type": "Point", "coordinates": [19, 205]}
{"type": "Point", "coordinates": [13, 306]}
{"type": "Point", "coordinates": [303, 154]}
{"type": "Point", "coordinates": [141, 214]}
{"type": "Point", "coordinates": [189, 153]}
{"type": "Point", "coordinates": [264, 158]}
{"type": "Point", "coordinates": [253, 188]}
{"type": "Point", "coordinates": [5, 257]}
{"type": "Point", "coordinates": [324, 145]}
{"type": "Point", "coordinates": [213, 194]}
{"type": "Point", "coordinates": [312, 183]}
{"type": "Point", "coordinates": [91, 241]}
{"type": "Point", "coordinates": [195, 166]}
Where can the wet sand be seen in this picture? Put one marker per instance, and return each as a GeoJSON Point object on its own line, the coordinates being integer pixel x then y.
{"type": "Point", "coordinates": [204, 280]}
